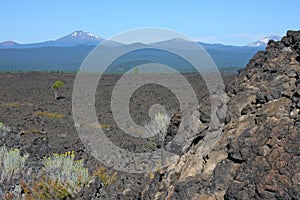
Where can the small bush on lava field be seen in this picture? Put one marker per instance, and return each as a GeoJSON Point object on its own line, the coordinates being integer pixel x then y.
{"type": "Point", "coordinates": [160, 124]}
{"type": "Point", "coordinates": [159, 127]}
{"type": "Point", "coordinates": [11, 164]}
{"type": "Point", "coordinates": [62, 177]}
{"type": "Point", "coordinates": [63, 169]}
{"type": "Point", "coordinates": [4, 128]}
{"type": "Point", "coordinates": [55, 87]}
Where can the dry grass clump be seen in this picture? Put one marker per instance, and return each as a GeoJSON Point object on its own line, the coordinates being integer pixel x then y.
{"type": "Point", "coordinates": [44, 188]}
{"type": "Point", "coordinates": [49, 114]}
{"type": "Point", "coordinates": [105, 177]}
{"type": "Point", "coordinates": [32, 130]}
{"type": "Point", "coordinates": [15, 104]}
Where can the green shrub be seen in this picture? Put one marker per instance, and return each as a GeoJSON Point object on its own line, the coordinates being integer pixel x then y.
{"type": "Point", "coordinates": [3, 127]}
{"type": "Point", "coordinates": [61, 178]}
{"type": "Point", "coordinates": [11, 163]}
{"type": "Point", "coordinates": [162, 121]}
{"type": "Point", "coordinates": [57, 84]}
{"type": "Point", "coordinates": [136, 70]}
{"type": "Point", "coordinates": [159, 127]}
{"type": "Point", "coordinates": [65, 171]}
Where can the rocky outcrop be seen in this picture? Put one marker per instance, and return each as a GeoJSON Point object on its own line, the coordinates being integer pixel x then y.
{"type": "Point", "coordinates": [258, 155]}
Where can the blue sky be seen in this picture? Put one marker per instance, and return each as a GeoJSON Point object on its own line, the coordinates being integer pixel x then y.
{"type": "Point", "coordinates": [228, 22]}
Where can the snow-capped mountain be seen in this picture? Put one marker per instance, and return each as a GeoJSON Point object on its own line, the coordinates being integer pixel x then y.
{"type": "Point", "coordinates": [77, 38]}
{"type": "Point", "coordinates": [264, 41]}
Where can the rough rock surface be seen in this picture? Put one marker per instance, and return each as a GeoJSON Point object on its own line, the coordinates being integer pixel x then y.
{"type": "Point", "coordinates": [258, 155]}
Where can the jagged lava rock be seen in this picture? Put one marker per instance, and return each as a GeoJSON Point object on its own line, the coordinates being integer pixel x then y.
{"type": "Point", "coordinates": [258, 155]}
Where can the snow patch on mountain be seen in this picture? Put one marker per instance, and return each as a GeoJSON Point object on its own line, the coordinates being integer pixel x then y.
{"type": "Point", "coordinates": [264, 41]}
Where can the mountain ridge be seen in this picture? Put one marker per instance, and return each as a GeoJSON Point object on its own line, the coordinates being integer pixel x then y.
{"type": "Point", "coordinates": [68, 52]}
{"type": "Point", "coordinates": [80, 37]}
{"type": "Point", "coordinates": [70, 58]}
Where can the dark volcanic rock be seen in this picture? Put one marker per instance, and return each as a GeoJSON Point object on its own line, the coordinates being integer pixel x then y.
{"type": "Point", "coordinates": [258, 155]}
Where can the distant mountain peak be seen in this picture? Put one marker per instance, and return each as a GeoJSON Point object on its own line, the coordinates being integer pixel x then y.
{"type": "Point", "coordinates": [176, 43]}
{"type": "Point", "coordinates": [78, 38]}
{"type": "Point", "coordinates": [178, 40]}
{"type": "Point", "coordinates": [264, 41]}
{"type": "Point", "coordinates": [83, 34]}
{"type": "Point", "coordinates": [8, 43]}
